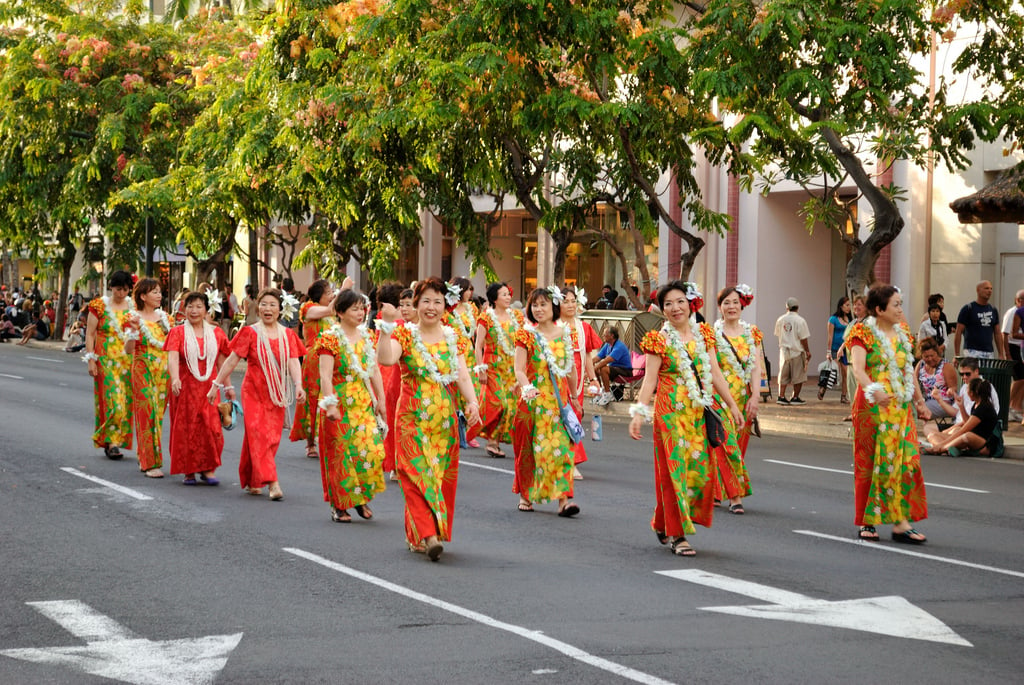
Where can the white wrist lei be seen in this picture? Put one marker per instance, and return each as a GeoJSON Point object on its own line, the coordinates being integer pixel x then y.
{"type": "Point", "coordinates": [480, 368]}
{"type": "Point", "coordinates": [525, 388]}
{"type": "Point", "coordinates": [642, 410]}
{"type": "Point", "coordinates": [328, 401]}
{"type": "Point", "coordinates": [871, 391]}
{"type": "Point", "coordinates": [386, 327]}
{"type": "Point", "coordinates": [90, 357]}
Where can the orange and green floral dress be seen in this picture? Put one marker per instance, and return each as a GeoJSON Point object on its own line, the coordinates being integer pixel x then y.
{"type": "Point", "coordinates": [498, 408]}
{"type": "Point", "coordinates": [150, 383]}
{"type": "Point", "coordinates": [684, 473]}
{"type": "Point", "coordinates": [113, 384]}
{"type": "Point", "coordinates": [304, 423]}
{"type": "Point", "coordinates": [544, 453]}
{"type": "Point", "coordinates": [888, 483]}
{"type": "Point", "coordinates": [352, 448]}
{"type": "Point", "coordinates": [734, 355]}
{"type": "Point", "coordinates": [463, 320]}
{"type": "Point", "coordinates": [427, 427]}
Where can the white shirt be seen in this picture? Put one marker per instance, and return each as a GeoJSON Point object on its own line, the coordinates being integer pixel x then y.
{"type": "Point", "coordinates": [791, 329]}
{"type": "Point", "coordinates": [1008, 327]}
{"type": "Point", "coordinates": [969, 403]}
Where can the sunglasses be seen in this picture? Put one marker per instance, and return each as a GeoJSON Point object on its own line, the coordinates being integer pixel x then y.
{"type": "Point", "coordinates": [965, 374]}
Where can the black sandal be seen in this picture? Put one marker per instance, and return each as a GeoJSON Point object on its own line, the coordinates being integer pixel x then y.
{"type": "Point", "coordinates": [662, 538]}
{"type": "Point", "coordinates": [681, 548]}
{"type": "Point", "coordinates": [112, 451]}
{"type": "Point", "coordinates": [906, 537]}
{"type": "Point", "coordinates": [736, 508]}
{"type": "Point", "coordinates": [495, 452]}
{"type": "Point", "coordinates": [872, 534]}
{"type": "Point", "coordinates": [363, 511]}
{"type": "Point", "coordinates": [340, 515]}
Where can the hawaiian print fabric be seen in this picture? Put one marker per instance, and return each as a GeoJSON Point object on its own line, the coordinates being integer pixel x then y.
{"type": "Point", "coordinates": [731, 456]}
{"type": "Point", "coordinates": [351, 449]}
{"type": "Point", "coordinates": [498, 408]}
{"type": "Point", "coordinates": [428, 441]}
{"type": "Point", "coordinates": [888, 483]}
{"type": "Point", "coordinates": [591, 343]}
{"type": "Point", "coordinates": [150, 383]}
{"type": "Point", "coordinates": [463, 320]}
{"type": "Point", "coordinates": [684, 475]}
{"type": "Point", "coordinates": [304, 423]}
{"type": "Point", "coordinates": [113, 385]}
{"type": "Point", "coordinates": [544, 453]}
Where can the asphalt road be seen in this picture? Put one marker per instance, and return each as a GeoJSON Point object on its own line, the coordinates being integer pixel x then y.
{"type": "Point", "coordinates": [164, 583]}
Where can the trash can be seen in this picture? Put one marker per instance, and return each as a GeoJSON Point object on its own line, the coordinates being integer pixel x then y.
{"type": "Point", "coordinates": [999, 372]}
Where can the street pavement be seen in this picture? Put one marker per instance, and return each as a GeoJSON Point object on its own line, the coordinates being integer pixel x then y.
{"type": "Point", "coordinates": [130, 579]}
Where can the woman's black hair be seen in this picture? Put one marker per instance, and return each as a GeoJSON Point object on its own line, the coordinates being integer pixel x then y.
{"type": "Point", "coordinates": [492, 292]}
{"type": "Point", "coordinates": [194, 295]}
{"type": "Point", "coordinates": [389, 292]}
{"type": "Point", "coordinates": [667, 288]}
{"type": "Point", "coordinates": [934, 298]}
{"type": "Point", "coordinates": [120, 279]}
{"type": "Point", "coordinates": [407, 294]}
{"type": "Point", "coordinates": [981, 389]}
{"type": "Point", "coordinates": [556, 309]}
{"type": "Point", "coordinates": [878, 298]}
{"type": "Point", "coordinates": [316, 291]}
{"type": "Point", "coordinates": [839, 313]}
{"type": "Point", "coordinates": [465, 286]}
{"type": "Point", "coordinates": [346, 299]}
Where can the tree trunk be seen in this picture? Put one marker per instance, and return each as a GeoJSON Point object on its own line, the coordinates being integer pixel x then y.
{"type": "Point", "coordinates": [68, 251]}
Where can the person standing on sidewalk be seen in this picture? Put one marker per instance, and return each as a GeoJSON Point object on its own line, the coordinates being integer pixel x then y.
{"type": "Point", "coordinates": [977, 326]}
{"type": "Point", "coordinates": [794, 352]}
{"type": "Point", "coordinates": [1012, 342]}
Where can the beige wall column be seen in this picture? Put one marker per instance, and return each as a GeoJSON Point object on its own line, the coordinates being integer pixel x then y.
{"type": "Point", "coordinates": [430, 247]}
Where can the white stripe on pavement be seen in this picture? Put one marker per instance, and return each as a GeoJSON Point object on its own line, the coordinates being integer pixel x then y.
{"type": "Point", "coordinates": [463, 462]}
{"type": "Point", "coordinates": [534, 635]}
{"type": "Point", "coordinates": [850, 473]}
{"type": "Point", "coordinates": [45, 359]}
{"type": "Point", "coordinates": [17, 378]}
{"type": "Point", "coordinates": [909, 553]}
{"type": "Point", "coordinates": [106, 483]}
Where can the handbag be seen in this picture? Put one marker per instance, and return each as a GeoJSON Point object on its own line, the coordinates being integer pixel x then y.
{"type": "Point", "coordinates": [570, 421]}
{"type": "Point", "coordinates": [828, 374]}
{"type": "Point", "coordinates": [230, 412]}
{"type": "Point", "coordinates": [713, 426]}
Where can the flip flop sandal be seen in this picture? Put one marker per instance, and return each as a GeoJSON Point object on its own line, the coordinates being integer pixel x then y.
{"type": "Point", "coordinates": [681, 548]}
{"type": "Point", "coordinates": [569, 510]}
{"type": "Point", "coordinates": [872, 534]}
{"type": "Point", "coordinates": [363, 511]}
{"type": "Point", "coordinates": [662, 538]}
{"type": "Point", "coordinates": [905, 537]}
{"type": "Point", "coordinates": [340, 515]}
{"type": "Point", "coordinates": [736, 509]}
{"type": "Point", "coordinates": [209, 480]}
{"type": "Point", "coordinates": [495, 453]}
{"type": "Point", "coordinates": [188, 481]}
{"type": "Point", "coordinates": [434, 550]}
{"type": "Point", "coordinates": [112, 452]}
{"type": "Point", "coordinates": [525, 506]}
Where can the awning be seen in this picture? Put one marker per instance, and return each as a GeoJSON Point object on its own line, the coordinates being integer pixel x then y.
{"type": "Point", "coordinates": [1000, 201]}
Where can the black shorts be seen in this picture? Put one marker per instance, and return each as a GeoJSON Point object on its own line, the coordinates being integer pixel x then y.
{"type": "Point", "coordinates": [619, 371]}
{"type": "Point", "coordinates": [1018, 364]}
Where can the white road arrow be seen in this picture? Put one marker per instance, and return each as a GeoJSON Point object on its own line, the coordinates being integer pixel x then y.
{"type": "Point", "coordinates": [892, 615]}
{"type": "Point", "coordinates": [112, 651]}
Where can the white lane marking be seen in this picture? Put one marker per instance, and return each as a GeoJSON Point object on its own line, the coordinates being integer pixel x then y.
{"type": "Point", "coordinates": [46, 359]}
{"type": "Point", "coordinates": [850, 473]}
{"type": "Point", "coordinates": [112, 651]}
{"type": "Point", "coordinates": [534, 635]}
{"type": "Point", "coordinates": [17, 378]}
{"type": "Point", "coordinates": [891, 615]}
{"type": "Point", "coordinates": [910, 553]}
{"type": "Point", "coordinates": [543, 671]}
{"type": "Point", "coordinates": [489, 468]}
{"type": "Point", "coordinates": [106, 483]}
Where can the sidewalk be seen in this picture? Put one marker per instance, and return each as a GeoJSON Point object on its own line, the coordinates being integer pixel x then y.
{"type": "Point", "coordinates": [820, 420]}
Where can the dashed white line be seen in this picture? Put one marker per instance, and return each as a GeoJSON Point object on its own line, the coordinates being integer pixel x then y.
{"type": "Point", "coordinates": [909, 553]}
{"type": "Point", "coordinates": [534, 635]}
{"type": "Point", "coordinates": [46, 359]}
{"type": "Point", "coordinates": [462, 462]}
{"type": "Point", "coordinates": [17, 378]}
{"type": "Point", "coordinates": [106, 483]}
{"type": "Point", "coordinates": [850, 473]}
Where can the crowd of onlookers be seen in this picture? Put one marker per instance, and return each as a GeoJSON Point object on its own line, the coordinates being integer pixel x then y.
{"type": "Point", "coordinates": [29, 315]}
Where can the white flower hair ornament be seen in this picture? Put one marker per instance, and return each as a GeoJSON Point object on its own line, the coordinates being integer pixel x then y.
{"type": "Point", "coordinates": [215, 300]}
{"type": "Point", "coordinates": [581, 298]}
{"type": "Point", "coordinates": [746, 294]}
{"type": "Point", "coordinates": [454, 294]}
{"type": "Point", "coordinates": [289, 305]}
{"type": "Point", "coordinates": [556, 295]}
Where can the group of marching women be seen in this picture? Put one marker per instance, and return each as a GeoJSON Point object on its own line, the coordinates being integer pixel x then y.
{"type": "Point", "coordinates": [434, 372]}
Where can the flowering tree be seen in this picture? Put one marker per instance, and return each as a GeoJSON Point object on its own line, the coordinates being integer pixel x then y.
{"type": "Point", "coordinates": [834, 91]}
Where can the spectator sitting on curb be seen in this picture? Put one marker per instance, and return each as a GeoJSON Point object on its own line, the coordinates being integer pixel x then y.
{"type": "Point", "coordinates": [39, 329]}
{"type": "Point", "coordinates": [76, 336]}
{"type": "Point", "coordinates": [969, 370]}
{"type": "Point", "coordinates": [978, 432]}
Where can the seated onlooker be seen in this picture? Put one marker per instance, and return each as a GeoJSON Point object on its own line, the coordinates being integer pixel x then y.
{"type": "Point", "coordinates": [8, 330]}
{"type": "Point", "coordinates": [937, 379]}
{"type": "Point", "coordinates": [933, 327]}
{"type": "Point", "coordinates": [978, 432]}
{"type": "Point", "coordinates": [39, 329]}
{"type": "Point", "coordinates": [76, 336]}
{"type": "Point", "coordinates": [613, 360]}
{"type": "Point", "coordinates": [969, 370]}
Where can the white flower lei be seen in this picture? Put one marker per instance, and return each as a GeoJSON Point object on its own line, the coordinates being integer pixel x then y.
{"type": "Point", "coordinates": [124, 335]}
{"type": "Point", "coordinates": [499, 332]}
{"type": "Point", "coordinates": [549, 354]}
{"type": "Point", "coordinates": [744, 369]}
{"type": "Point", "coordinates": [430, 371]}
{"type": "Point", "coordinates": [464, 330]}
{"type": "Point", "coordinates": [901, 381]}
{"type": "Point", "coordinates": [147, 337]}
{"type": "Point", "coordinates": [700, 395]}
{"type": "Point", "coordinates": [363, 372]}
{"type": "Point", "coordinates": [192, 356]}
